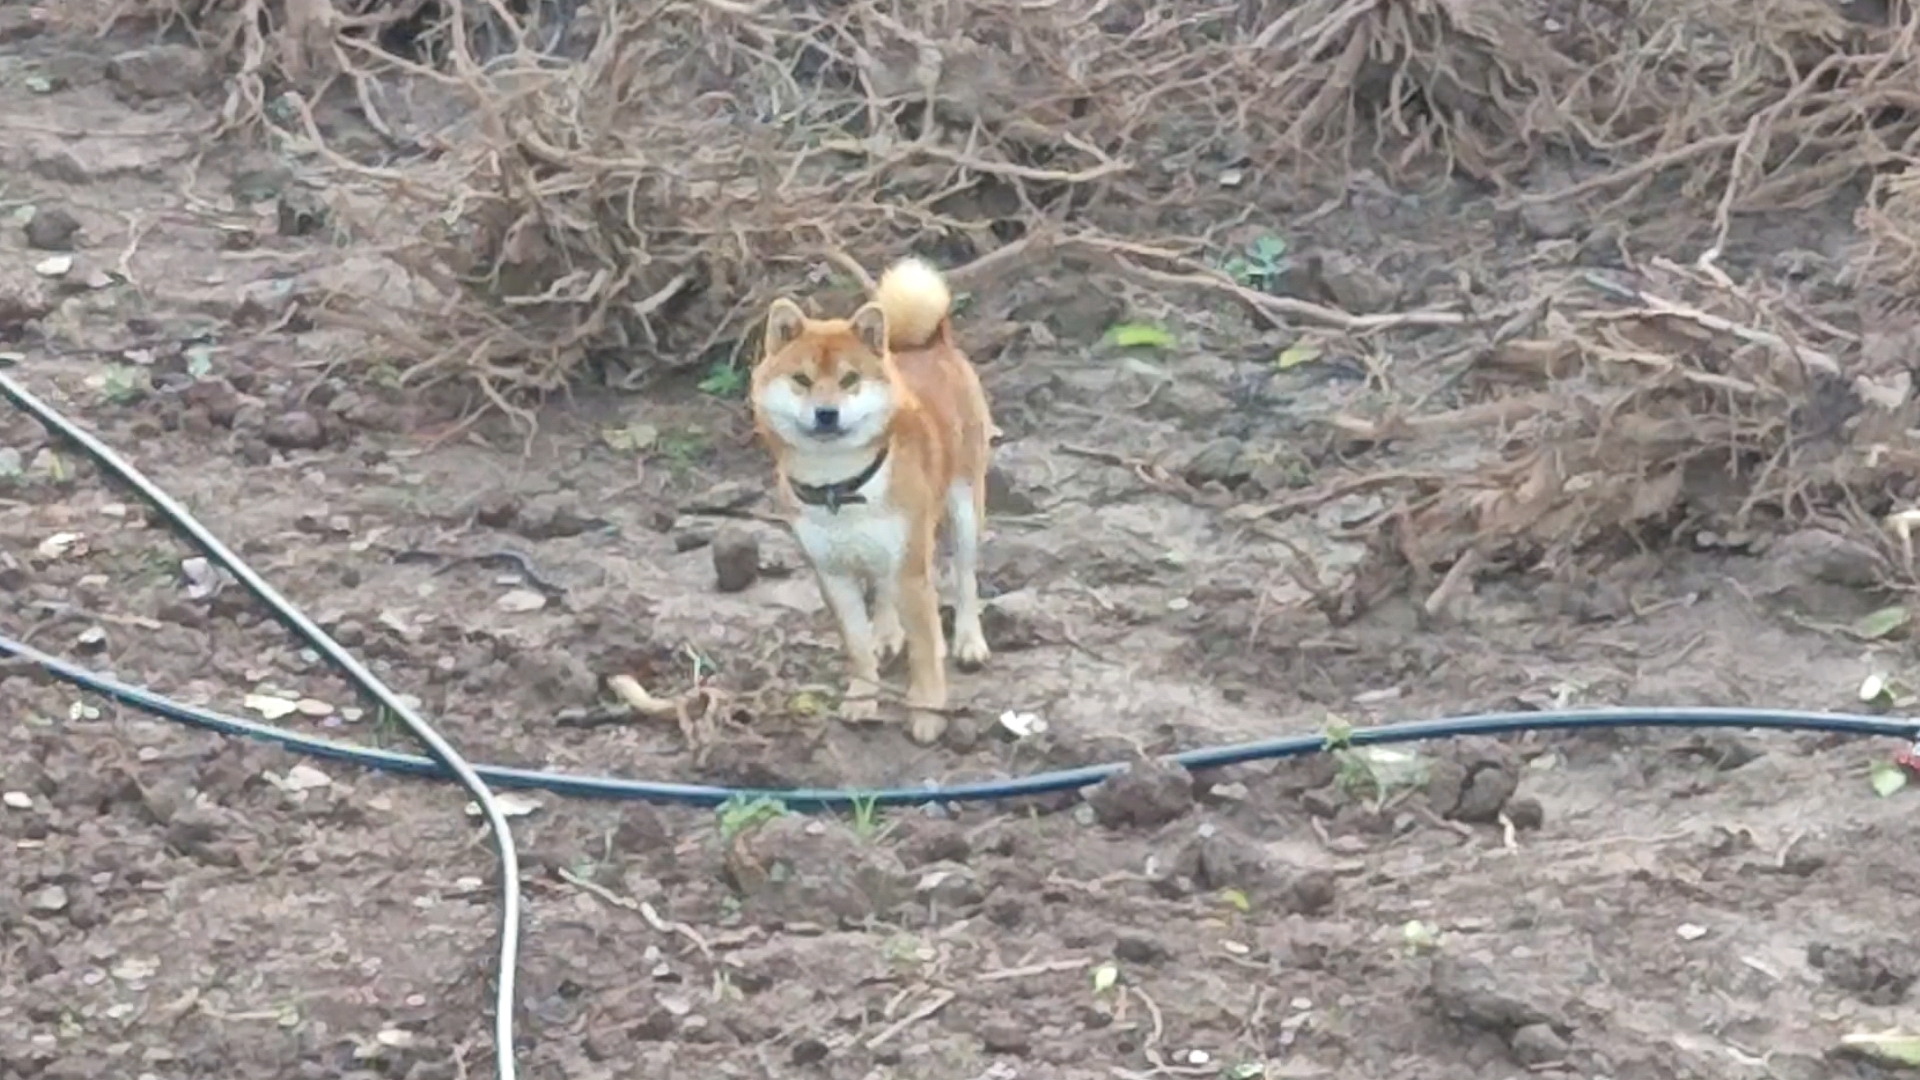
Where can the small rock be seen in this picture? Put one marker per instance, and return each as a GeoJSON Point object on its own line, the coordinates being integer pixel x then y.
{"type": "Point", "coordinates": [1487, 791]}
{"type": "Point", "coordinates": [1005, 1036]}
{"type": "Point", "coordinates": [1310, 892]}
{"type": "Point", "coordinates": [1218, 857]}
{"type": "Point", "coordinates": [298, 430]}
{"type": "Point", "coordinates": [950, 886]}
{"type": "Point", "coordinates": [160, 71]}
{"type": "Point", "coordinates": [498, 513]}
{"type": "Point", "coordinates": [1355, 286]}
{"type": "Point", "coordinates": [554, 516]}
{"type": "Point", "coordinates": [1147, 793]}
{"type": "Point", "coordinates": [1222, 461]}
{"type": "Point", "coordinates": [1015, 620]}
{"type": "Point", "coordinates": [1526, 812]}
{"type": "Point", "coordinates": [299, 212]}
{"type": "Point", "coordinates": [736, 559]}
{"type": "Point", "coordinates": [1537, 1044]}
{"type": "Point", "coordinates": [51, 900]}
{"type": "Point", "coordinates": [1139, 949]}
{"type": "Point", "coordinates": [521, 601]}
{"type": "Point", "coordinates": [23, 296]}
{"type": "Point", "coordinates": [798, 869]}
{"type": "Point", "coordinates": [1552, 220]}
{"type": "Point", "coordinates": [1004, 497]}
{"type": "Point", "coordinates": [52, 229]}
{"type": "Point", "coordinates": [1469, 991]}
{"type": "Point", "coordinates": [693, 538]}
{"type": "Point", "coordinates": [809, 1052]}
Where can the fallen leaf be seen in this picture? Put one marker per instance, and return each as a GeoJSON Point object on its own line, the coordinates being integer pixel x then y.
{"type": "Point", "coordinates": [1878, 624]}
{"type": "Point", "coordinates": [270, 706]}
{"type": "Point", "coordinates": [313, 707]}
{"type": "Point", "coordinates": [305, 777]}
{"type": "Point", "coordinates": [631, 438]}
{"type": "Point", "coordinates": [1295, 355]}
{"type": "Point", "coordinates": [1873, 687]}
{"type": "Point", "coordinates": [135, 968]}
{"type": "Point", "coordinates": [1104, 977]}
{"type": "Point", "coordinates": [1888, 1047]}
{"type": "Point", "coordinates": [61, 545]}
{"type": "Point", "coordinates": [511, 803]}
{"type": "Point", "coordinates": [1139, 335]}
{"type": "Point", "coordinates": [1887, 778]}
{"type": "Point", "coordinates": [1020, 725]}
{"type": "Point", "coordinates": [1236, 899]}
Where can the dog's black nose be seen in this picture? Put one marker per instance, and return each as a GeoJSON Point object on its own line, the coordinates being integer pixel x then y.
{"type": "Point", "coordinates": [826, 419]}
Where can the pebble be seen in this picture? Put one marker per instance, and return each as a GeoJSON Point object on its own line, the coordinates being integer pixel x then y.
{"type": "Point", "coordinates": [51, 900]}
{"type": "Point", "coordinates": [736, 559]}
{"type": "Point", "coordinates": [52, 229]}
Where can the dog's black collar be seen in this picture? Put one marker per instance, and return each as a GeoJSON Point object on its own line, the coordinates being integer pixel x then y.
{"type": "Point", "coordinates": [842, 493]}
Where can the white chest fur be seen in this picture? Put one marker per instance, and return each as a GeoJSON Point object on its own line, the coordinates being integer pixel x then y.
{"type": "Point", "coordinates": [867, 538]}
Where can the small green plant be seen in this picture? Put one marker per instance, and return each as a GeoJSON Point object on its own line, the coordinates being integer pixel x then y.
{"type": "Point", "coordinates": [724, 379]}
{"type": "Point", "coordinates": [124, 384]}
{"type": "Point", "coordinates": [1377, 772]}
{"type": "Point", "coordinates": [866, 816]}
{"type": "Point", "coordinates": [682, 448]}
{"type": "Point", "coordinates": [1260, 264]}
{"type": "Point", "coordinates": [739, 813]}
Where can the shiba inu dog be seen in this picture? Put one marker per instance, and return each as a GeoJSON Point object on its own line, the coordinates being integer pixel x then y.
{"type": "Point", "coordinates": [879, 431]}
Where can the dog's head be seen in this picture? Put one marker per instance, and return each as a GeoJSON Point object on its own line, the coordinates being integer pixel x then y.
{"type": "Point", "coordinates": [825, 382]}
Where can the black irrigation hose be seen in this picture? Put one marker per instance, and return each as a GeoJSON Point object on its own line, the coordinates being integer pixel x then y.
{"type": "Point", "coordinates": [587, 786]}
{"type": "Point", "coordinates": [443, 753]}
{"type": "Point", "coordinates": [445, 763]}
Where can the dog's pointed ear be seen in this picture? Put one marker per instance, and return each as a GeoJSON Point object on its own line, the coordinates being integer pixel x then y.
{"type": "Point", "coordinates": [870, 325]}
{"type": "Point", "coordinates": [785, 320]}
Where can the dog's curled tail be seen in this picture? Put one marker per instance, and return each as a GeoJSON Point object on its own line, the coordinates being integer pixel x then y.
{"type": "Point", "coordinates": [916, 300]}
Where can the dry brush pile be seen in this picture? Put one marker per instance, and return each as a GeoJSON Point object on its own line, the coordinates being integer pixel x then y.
{"type": "Point", "coordinates": [637, 179]}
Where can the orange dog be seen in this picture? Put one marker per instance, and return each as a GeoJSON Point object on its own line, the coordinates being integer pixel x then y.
{"type": "Point", "coordinates": [879, 428]}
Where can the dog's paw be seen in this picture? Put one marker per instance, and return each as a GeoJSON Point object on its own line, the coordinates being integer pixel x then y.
{"type": "Point", "coordinates": [889, 637]}
{"type": "Point", "coordinates": [970, 647]}
{"type": "Point", "coordinates": [926, 727]}
{"type": "Point", "coordinates": [859, 708]}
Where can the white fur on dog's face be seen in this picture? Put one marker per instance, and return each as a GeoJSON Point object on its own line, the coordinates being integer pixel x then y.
{"type": "Point", "coordinates": [864, 412]}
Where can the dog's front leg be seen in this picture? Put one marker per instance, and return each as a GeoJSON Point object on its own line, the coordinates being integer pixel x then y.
{"type": "Point", "coordinates": [843, 595]}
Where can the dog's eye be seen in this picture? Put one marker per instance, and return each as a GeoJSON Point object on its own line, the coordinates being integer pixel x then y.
{"type": "Point", "coordinates": [850, 380]}
{"type": "Point", "coordinates": [802, 381]}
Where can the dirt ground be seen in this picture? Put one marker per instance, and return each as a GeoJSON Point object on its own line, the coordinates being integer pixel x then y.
{"type": "Point", "coordinates": [178, 905]}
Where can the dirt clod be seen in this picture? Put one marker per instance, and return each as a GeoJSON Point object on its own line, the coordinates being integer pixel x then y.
{"type": "Point", "coordinates": [1875, 973]}
{"type": "Point", "coordinates": [1472, 992]}
{"type": "Point", "coordinates": [1537, 1044]}
{"type": "Point", "coordinates": [297, 430]}
{"type": "Point", "coordinates": [794, 868]}
{"type": "Point", "coordinates": [736, 559]}
{"type": "Point", "coordinates": [1004, 1035]}
{"type": "Point", "coordinates": [1526, 812]}
{"type": "Point", "coordinates": [51, 229]}
{"type": "Point", "coordinates": [24, 297]}
{"type": "Point", "coordinates": [1148, 792]}
{"type": "Point", "coordinates": [160, 71]}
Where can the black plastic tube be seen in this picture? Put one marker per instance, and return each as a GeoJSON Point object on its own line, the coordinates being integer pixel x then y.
{"type": "Point", "coordinates": [1047, 783]}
